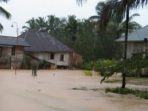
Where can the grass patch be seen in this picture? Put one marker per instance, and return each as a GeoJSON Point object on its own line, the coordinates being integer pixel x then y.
{"type": "Point", "coordinates": [88, 73]}
{"type": "Point", "coordinates": [138, 93]}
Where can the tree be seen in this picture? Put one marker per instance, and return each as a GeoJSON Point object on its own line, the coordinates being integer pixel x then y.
{"type": "Point", "coordinates": [121, 8]}
{"type": "Point", "coordinates": [55, 24]}
{"type": "Point", "coordinates": [116, 24]}
{"type": "Point", "coordinates": [117, 8]}
{"type": "Point", "coordinates": [50, 24]}
{"type": "Point", "coordinates": [5, 13]}
{"type": "Point", "coordinates": [31, 25]}
{"type": "Point", "coordinates": [72, 27]}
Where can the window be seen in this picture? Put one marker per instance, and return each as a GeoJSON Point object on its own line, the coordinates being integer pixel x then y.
{"type": "Point", "coordinates": [0, 51]}
{"type": "Point", "coordinates": [13, 50]}
{"type": "Point", "coordinates": [62, 57]}
{"type": "Point", "coordinates": [52, 56]}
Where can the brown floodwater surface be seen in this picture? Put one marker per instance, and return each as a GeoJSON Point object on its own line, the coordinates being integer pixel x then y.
{"type": "Point", "coordinates": [61, 90]}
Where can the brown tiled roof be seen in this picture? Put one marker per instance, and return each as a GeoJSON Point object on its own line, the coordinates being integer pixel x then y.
{"type": "Point", "coordinates": [43, 42]}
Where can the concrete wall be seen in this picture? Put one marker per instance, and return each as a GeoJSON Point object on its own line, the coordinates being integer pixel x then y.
{"type": "Point", "coordinates": [75, 59]}
{"type": "Point", "coordinates": [16, 60]}
{"type": "Point", "coordinates": [136, 47]}
{"type": "Point", "coordinates": [46, 56]}
{"type": "Point", "coordinates": [7, 53]}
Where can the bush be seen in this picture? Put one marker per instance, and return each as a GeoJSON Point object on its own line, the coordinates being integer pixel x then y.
{"type": "Point", "coordinates": [132, 66]}
{"type": "Point", "coordinates": [99, 64]}
{"type": "Point", "coordinates": [119, 90]}
{"type": "Point", "coordinates": [44, 65]}
{"type": "Point", "coordinates": [5, 61]}
{"type": "Point", "coordinates": [87, 66]}
{"type": "Point", "coordinates": [26, 63]}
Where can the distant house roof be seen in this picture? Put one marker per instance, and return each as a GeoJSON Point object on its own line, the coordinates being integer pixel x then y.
{"type": "Point", "coordinates": [43, 42]}
{"type": "Point", "coordinates": [12, 41]}
{"type": "Point", "coordinates": [136, 36]}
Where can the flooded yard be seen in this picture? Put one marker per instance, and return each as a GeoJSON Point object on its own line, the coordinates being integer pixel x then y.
{"type": "Point", "coordinates": [62, 90]}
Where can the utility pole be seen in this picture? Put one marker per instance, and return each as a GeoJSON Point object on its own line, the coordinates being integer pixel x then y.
{"type": "Point", "coordinates": [17, 32]}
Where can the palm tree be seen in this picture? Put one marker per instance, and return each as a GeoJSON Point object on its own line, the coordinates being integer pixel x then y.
{"type": "Point", "coordinates": [5, 13]}
{"type": "Point", "coordinates": [49, 24]}
{"type": "Point", "coordinates": [119, 8]}
{"type": "Point", "coordinates": [41, 23]}
{"type": "Point", "coordinates": [72, 27]}
{"type": "Point", "coordinates": [116, 24]}
{"type": "Point", "coordinates": [53, 24]}
{"type": "Point", "coordinates": [31, 25]}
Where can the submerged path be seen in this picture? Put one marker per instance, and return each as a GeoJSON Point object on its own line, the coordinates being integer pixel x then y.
{"type": "Point", "coordinates": [58, 90]}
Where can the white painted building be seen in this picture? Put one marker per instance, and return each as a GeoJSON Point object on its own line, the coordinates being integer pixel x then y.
{"type": "Point", "coordinates": [137, 41]}
{"type": "Point", "coordinates": [59, 59]}
{"type": "Point", "coordinates": [46, 48]}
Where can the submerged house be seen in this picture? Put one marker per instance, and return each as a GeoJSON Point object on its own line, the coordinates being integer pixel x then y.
{"type": "Point", "coordinates": [137, 41]}
{"type": "Point", "coordinates": [44, 47]}
{"type": "Point", "coordinates": [39, 46]}
{"type": "Point", "coordinates": [9, 47]}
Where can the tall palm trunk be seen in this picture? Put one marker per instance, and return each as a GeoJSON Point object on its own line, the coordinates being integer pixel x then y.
{"type": "Point", "coordinates": [125, 47]}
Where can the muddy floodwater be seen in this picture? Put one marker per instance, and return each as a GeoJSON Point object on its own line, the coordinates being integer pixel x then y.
{"type": "Point", "coordinates": [61, 90]}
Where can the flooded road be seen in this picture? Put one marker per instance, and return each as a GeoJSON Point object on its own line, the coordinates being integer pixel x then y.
{"type": "Point", "coordinates": [59, 90]}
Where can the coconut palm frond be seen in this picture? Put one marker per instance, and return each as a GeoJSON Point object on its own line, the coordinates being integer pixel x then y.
{"type": "Point", "coordinates": [133, 26]}
{"type": "Point", "coordinates": [94, 18]}
{"type": "Point", "coordinates": [5, 13]}
{"type": "Point", "coordinates": [26, 27]}
{"type": "Point", "coordinates": [1, 27]}
{"type": "Point", "coordinates": [133, 15]}
{"type": "Point", "coordinates": [4, 1]}
{"type": "Point", "coordinates": [99, 7]}
{"type": "Point", "coordinates": [105, 15]}
{"type": "Point", "coordinates": [137, 3]}
{"type": "Point", "coordinates": [80, 2]}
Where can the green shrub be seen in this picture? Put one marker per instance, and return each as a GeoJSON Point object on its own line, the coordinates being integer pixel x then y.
{"type": "Point", "coordinates": [87, 66]}
{"type": "Point", "coordinates": [44, 65]}
{"type": "Point", "coordinates": [5, 61]}
{"type": "Point", "coordinates": [132, 66]}
{"type": "Point", "coordinates": [26, 63]}
{"type": "Point", "coordinates": [119, 90]}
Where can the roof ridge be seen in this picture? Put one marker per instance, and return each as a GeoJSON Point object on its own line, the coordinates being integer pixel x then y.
{"type": "Point", "coordinates": [46, 42]}
{"type": "Point", "coordinates": [6, 36]}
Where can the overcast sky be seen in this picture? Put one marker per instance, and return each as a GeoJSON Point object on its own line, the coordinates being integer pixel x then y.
{"type": "Point", "coordinates": [23, 10]}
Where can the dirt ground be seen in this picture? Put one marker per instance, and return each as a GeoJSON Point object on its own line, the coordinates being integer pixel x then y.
{"type": "Point", "coordinates": [61, 90]}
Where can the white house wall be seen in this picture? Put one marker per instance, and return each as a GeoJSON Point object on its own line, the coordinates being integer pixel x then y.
{"type": "Point", "coordinates": [56, 60]}
{"type": "Point", "coordinates": [130, 49]}
{"type": "Point", "coordinates": [135, 47]}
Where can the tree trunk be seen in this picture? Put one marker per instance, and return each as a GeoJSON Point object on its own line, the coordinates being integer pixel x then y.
{"type": "Point", "coordinates": [125, 47]}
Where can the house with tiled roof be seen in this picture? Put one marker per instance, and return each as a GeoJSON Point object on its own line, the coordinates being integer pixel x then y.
{"type": "Point", "coordinates": [39, 46]}
{"type": "Point", "coordinates": [45, 47]}
{"type": "Point", "coordinates": [137, 41]}
{"type": "Point", "coordinates": [9, 47]}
